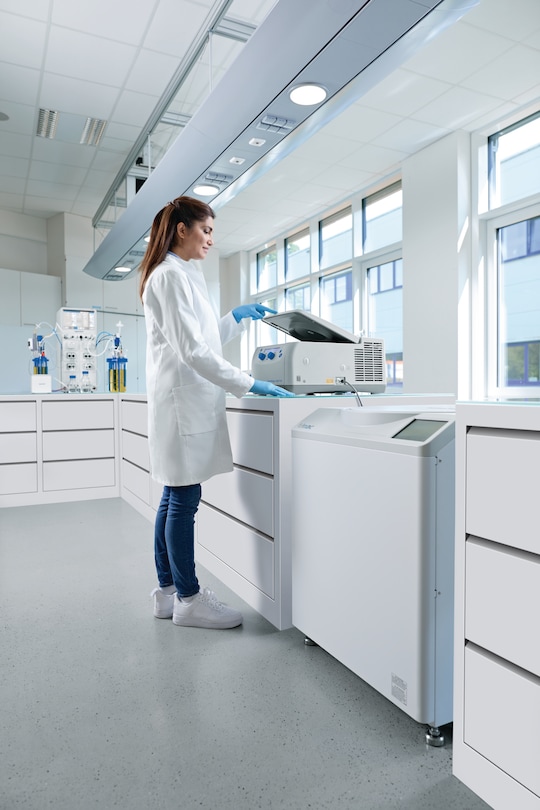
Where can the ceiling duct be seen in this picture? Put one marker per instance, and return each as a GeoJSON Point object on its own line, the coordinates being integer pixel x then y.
{"type": "Point", "coordinates": [347, 39]}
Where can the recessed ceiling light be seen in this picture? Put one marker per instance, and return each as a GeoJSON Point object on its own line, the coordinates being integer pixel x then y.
{"type": "Point", "coordinates": [123, 269]}
{"type": "Point", "coordinates": [146, 238]}
{"type": "Point", "coordinates": [237, 161]}
{"type": "Point", "coordinates": [307, 94]}
{"type": "Point", "coordinates": [205, 190]}
{"type": "Point", "coordinates": [256, 141]}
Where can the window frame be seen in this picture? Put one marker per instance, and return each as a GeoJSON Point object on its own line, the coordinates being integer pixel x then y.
{"type": "Point", "coordinates": [491, 223]}
{"type": "Point", "coordinates": [316, 275]}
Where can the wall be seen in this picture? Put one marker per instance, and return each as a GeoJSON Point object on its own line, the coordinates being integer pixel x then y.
{"type": "Point", "coordinates": [23, 242]}
{"type": "Point", "coordinates": [66, 242]}
{"type": "Point", "coordinates": [436, 254]}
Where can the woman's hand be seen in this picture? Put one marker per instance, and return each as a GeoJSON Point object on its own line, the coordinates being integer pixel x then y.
{"type": "Point", "coordinates": [253, 311]}
{"type": "Point", "coordinates": [269, 389]}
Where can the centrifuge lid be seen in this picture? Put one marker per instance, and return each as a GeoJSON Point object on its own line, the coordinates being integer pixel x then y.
{"type": "Point", "coordinates": [305, 326]}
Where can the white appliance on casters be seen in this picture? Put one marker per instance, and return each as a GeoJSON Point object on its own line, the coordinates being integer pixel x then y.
{"type": "Point", "coordinates": [373, 550]}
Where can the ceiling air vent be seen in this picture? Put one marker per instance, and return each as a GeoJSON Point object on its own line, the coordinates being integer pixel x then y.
{"type": "Point", "coordinates": [216, 177]}
{"type": "Point", "coordinates": [47, 123]}
{"type": "Point", "coordinates": [274, 123]}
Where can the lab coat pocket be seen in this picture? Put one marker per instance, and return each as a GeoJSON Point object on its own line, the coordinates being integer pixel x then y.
{"type": "Point", "coordinates": [195, 407]}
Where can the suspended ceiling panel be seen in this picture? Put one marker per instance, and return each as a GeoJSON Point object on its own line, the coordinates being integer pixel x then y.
{"type": "Point", "coordinates": [495, 75]}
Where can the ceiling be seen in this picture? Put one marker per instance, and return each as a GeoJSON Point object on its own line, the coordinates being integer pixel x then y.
{"type": "Point", "coordinates": [102, 60]}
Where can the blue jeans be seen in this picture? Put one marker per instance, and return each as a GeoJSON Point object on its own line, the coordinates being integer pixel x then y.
{"type": "Point", "coordinates": [174, 539]}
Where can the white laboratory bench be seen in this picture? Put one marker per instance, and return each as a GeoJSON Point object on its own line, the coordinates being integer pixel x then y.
{"type": "Point", "coordinates": [244, 533]}
{"type": "Point", "coordinates": [58, 448]}
{"type": "Point", "coordinates": [77, 447]}
{"type": "Point", "coordinates": [497, 596]}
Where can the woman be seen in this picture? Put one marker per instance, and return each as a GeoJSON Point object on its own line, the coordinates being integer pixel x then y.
{"type": "Point", "coordinates": [187, 377]}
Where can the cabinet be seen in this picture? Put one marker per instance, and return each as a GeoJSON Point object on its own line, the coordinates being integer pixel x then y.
{"type": "Point", "coordinates": [496, 654]}
{"type": "Point", "coordinates": [137, 488]}
{"type": "Point", "coordinates": [57, 448]}
{"type": "Point", "coordinates": [78, 444]}
{"type": "Point", "coordinates": [18, 447]}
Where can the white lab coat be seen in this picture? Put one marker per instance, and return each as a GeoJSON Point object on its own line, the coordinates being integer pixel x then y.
{"type": "Point", "coordinates": [187, 376]}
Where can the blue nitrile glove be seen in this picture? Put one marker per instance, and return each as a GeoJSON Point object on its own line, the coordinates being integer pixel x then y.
{"type": "Point", "coordinates": [254, 311]}
{"type": "Point", "coordinates": [269, 389]}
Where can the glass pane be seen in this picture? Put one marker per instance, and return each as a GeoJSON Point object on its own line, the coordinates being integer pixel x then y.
{"type": "Point", "coordinates": [385, 317]}
{"type": "Point", "coordinates": [398, 273]}
{"type": "Point", "coordinates": [533, 363]}
{"type": "Point", "coordinates": [515, 163]}
{"type": "Point", "coordinates": [382, 214]}
{"type": "Point", "coordinates": [519, 304]}
{"type": "Point", "coordinates": [266, 269]}
{"type": "Point", "coordinates": [394, 370]}
{"type": "Point", "coordinates": [386, 276]}
{"type": "Point", "coordinates": [514, 241]}
{"type": "Point", "coordinates": [267, 334]}
{"type": "Point", "coordinates": [335, 235]}
{"type": "Point", "coordinates": [298, 297]}
{"type": "Point", "coordinates": [297, 256]}
{"type": "Point", "coordinates": [337, 300]}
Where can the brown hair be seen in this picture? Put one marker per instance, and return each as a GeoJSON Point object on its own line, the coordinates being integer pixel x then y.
{"type": "Point", "coordinates": [182, 209]}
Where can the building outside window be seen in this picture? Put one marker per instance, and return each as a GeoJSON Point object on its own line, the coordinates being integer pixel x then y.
{"type": "Point", "coordinates": [519, 303]}
{"type": "Point", "coordinates": [337, 299]}
{"type": "Point", "coordinates": [338, 289]}
{"type": "Point", "coordinates": [382, 218]}
{"type": "Point", "coordinates": [297, 256]}
{"type": "Point", "coordinates": [298, 297]}
{"type": "Point", "coordinates": [385, 315]}
{"type": "Point", "coordinates": [513, 254]}
{"type": "Point", "coordinates": [514, 162]}
{"type": "Point", "coordinates": [335, 239]}
{"type": "Point", "coordinates": [267, 269]}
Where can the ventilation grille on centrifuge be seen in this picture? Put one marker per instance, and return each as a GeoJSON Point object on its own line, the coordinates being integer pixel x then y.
{"type": "Point", "coordinates": [369, 361]}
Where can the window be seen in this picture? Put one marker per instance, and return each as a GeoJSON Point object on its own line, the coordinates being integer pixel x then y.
{"type": "Point", "coordinates": [359, 292]}
{"type": "Point", "coordinates": [512, 249]}
{"type": "Point", "coordinates": [335, 239]}
{"type": "Point", "coordinates": [267, 269]}
{"type": "Point", "coordinates": [298, 297]}
{"type": "Point", "coordinates": [519, 303]}
{"type": "Point", "coordinates": [297, 255]}
{"type": "Point", "coordinates": [382, 218]}
{"type": "Point", "coordinates": [514, 162]}
{"type": "Point", "coordinates": [337, 299]}
{"type": "Point", "coordinates": [385, 314]}
{"type": "Point", "coordinates": [267, 334]}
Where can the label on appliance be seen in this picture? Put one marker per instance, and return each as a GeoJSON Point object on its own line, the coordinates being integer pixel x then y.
{"type": "Point", "coordinates": [399, 689]}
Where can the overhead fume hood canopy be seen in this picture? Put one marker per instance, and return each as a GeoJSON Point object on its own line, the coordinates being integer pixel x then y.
{"type": "Point", "coordinates": [249, 114]}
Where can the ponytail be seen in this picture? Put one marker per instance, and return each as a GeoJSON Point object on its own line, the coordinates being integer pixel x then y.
{"type": "Point", "coordinates": [162, 236]}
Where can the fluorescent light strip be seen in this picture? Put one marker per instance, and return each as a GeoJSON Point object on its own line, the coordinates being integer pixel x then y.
{"type": "Point", "coordinates": [47, 123]}
{"type": "Point", "coordinates": [93, 131]}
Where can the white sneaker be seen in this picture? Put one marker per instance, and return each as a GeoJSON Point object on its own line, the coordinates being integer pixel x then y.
{"type": "Point", "coordinates": [163, 602]}
{"type": "Point", "coordinates": [204, 610]}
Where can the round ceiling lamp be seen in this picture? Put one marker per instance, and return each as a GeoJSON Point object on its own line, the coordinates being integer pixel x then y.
{"type": "Point", "coordinates": [308, 94]}
{"type": "Point", "coordinates": [205, 190]}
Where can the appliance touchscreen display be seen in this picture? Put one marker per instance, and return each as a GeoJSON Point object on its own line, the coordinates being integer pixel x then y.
{"type": "Point", "coordinates": [419, 430]}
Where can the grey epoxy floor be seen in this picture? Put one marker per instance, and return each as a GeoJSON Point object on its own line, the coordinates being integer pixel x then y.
{"type": "Point", "coordinates": [104, 706]}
